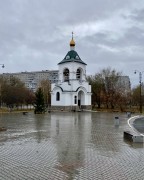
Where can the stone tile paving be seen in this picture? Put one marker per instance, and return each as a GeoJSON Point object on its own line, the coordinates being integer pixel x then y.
{"type": "Point", "coordinates": [68, 146]}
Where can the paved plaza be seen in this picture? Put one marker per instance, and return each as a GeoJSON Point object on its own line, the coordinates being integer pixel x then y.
{"type": "Point", "coordinates": [68, 146]}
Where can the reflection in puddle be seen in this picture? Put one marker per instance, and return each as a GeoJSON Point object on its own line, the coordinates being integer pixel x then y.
{"type": "Point", "coordinates": [71, 137]}
{"type": "Point", "coordinates": [134, 145]}
{"type": "Point", "coordinates": [60, 145]}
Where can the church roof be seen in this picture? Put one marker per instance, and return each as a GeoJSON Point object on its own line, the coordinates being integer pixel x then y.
{"type": "Point", "coordinates": [72, 56]}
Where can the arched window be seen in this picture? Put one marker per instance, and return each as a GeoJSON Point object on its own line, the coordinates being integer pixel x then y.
{"type": "Point", "coordinates": [66, 75]}
{"type": "Point", "coordinates": [78, 74]}
{"type": "Point", "coordinates": [57, 96]}
{"type": "Point", "coordinates": [75, 99]}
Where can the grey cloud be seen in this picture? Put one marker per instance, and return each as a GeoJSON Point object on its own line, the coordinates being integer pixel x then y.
{"type": "Point", "coordinates": [35, 34]}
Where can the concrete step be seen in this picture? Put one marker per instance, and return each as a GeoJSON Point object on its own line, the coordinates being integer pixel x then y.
{"type": "Point", "coordinates": [133, 136]}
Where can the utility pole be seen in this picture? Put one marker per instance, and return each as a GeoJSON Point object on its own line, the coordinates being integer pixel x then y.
{"type": "Point", "coordinates": [140, 82]}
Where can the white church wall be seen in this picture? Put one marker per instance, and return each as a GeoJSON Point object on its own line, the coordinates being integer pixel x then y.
{"type": "Point", "coordinates": [73, 85]}
{"type": "Point", "coordinates": [72, 66]}
{"type": "Point", "coordinates": [67, 98]}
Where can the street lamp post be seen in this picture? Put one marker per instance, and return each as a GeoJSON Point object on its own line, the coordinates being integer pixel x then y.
{"type": "Point", "coordinates": [140, 81]}
{"type": "Point", "coordinates": [2, 65]}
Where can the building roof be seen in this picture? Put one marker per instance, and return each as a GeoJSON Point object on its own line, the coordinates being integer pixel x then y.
{"type": "Point", "coordinates": [72, 56]}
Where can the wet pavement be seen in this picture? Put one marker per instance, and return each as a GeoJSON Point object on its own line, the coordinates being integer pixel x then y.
{"type": "Point", "coordinates": [68, 146]}
{"type": "Point", "coordinates": [139, 125]}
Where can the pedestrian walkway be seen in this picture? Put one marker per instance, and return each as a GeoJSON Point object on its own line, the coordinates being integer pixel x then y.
{"type": "Point", "coordinates": [68, 146]}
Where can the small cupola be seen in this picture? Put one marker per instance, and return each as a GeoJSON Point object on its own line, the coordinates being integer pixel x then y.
{"type": "Point", "coordinates": [72, 55]}
{"type": "Point", "coordinates": [72, 43]}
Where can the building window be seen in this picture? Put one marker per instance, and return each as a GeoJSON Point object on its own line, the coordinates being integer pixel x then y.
{"type": "Point", "coordinates": [66, 75]}
{"type": "Point", "coordinates": [77, 57]}
{"type": "Point", "coordinates": [75, 99]}
{"type": "Point", "coordinates": [78, 74]}
{"type": "Point", "coordinates": [57, 96]}
{"type": "Point", "coordinates": [68, 57]}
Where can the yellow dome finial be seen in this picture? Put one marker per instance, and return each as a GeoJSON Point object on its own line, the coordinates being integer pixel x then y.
{"type": "Point", "coordinates": [72, 43]}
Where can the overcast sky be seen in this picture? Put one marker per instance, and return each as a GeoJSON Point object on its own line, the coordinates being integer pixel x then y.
{"type": "Point", "coordinates": [35, 34]}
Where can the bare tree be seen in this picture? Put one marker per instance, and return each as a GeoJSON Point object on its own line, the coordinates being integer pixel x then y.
{"type": "Point", "coordinates": [108, 90]}
{"type": "Point", "coordinates": [46, 88]}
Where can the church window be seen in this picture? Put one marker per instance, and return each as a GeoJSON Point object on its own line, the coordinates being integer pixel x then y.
{"type": "Point", "coordinates": [66, 75]}
{"type": "Point", "coordinates": [75, 99]}
{"type": "Point", "coordinates": [77, 57]}
{"type": "Point", "coordinates": [68, 57]}
{"type": "Point", "coordinates": [78, 74]}
{"type": "Point", "coordinates": [57, 96]}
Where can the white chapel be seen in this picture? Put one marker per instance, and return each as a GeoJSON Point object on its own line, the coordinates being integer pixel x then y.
{"type": "Point", "coordinates": [72, 91]}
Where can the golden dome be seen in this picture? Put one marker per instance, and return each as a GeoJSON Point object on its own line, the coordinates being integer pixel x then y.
{"type": "Point", "coordinates": [72, 43]}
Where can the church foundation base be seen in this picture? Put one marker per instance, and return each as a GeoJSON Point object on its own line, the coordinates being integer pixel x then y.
{"type": "Point", "coordinates": [70, 108]}
{"type": "Point", "coordinates": [87, 107]}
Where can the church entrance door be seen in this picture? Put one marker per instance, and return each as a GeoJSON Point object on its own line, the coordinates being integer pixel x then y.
{"type": "Point", "coordinates": [81, 98]}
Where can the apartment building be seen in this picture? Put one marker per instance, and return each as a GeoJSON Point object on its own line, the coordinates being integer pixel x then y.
{"type": "Point", "coordinates": [32, 79]}
{"type": "Point", "coordinates": [124, 81]}
{"type": "Point", "coordinates": [121, 83]}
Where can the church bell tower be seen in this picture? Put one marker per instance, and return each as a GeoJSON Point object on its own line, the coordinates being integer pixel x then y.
{"type": "Point", "coordinates": [72, 91]}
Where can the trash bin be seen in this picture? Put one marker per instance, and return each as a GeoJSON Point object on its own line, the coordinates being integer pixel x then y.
{"type": "Point", "coordinates": [128, 114]}
{"type": "Point", "coordinates": [117, 121]}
